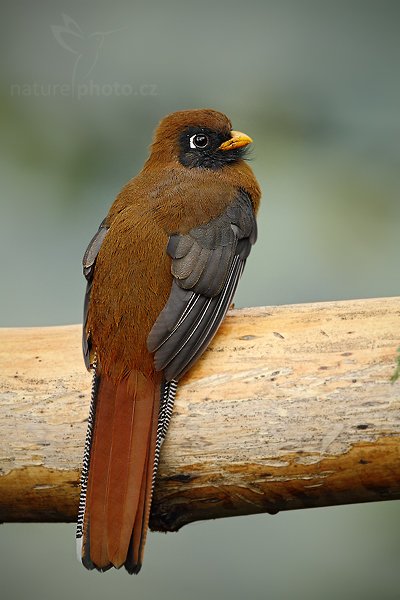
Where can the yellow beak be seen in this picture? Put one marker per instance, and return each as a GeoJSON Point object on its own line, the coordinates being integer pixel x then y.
{"type": "Point", "coordinates": [237, 140]}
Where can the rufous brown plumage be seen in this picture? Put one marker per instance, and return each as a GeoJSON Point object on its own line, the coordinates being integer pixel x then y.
{"type": "Point", "coordinates": [161, 272]}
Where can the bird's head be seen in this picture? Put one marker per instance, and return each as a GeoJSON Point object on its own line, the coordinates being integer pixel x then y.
{"type": "Point", "coordinates": [199, 139]}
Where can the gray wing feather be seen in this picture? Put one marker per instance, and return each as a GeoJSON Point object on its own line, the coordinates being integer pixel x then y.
{"type": "Point", "coordinates": [207, 264]}
{"type": "Point", "coordinates": [88, 263]}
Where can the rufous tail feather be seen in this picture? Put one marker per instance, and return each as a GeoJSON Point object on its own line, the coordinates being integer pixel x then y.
{"type": "Point", "coordinates": [117, 481]}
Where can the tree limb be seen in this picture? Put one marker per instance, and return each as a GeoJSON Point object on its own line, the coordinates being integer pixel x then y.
{"type": "Point", "coordinates": [290, 407]}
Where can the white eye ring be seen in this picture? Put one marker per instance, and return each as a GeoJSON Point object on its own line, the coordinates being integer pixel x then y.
{"type": "Point", "coordinates": [192, 142]}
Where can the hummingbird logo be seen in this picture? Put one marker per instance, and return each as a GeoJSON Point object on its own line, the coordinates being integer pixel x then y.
{"type": "Point", "coordinates": [85, 47]}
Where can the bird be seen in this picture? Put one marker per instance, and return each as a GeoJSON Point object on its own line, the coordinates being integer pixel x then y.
{"type": "Point", "coordinates": [161, 272]}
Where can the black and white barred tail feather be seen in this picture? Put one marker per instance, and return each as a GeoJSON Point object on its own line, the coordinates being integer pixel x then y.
{"type": "Point", "coordinates": [86, 462]}
{"type": "Point", "coordinates": [168, 392]}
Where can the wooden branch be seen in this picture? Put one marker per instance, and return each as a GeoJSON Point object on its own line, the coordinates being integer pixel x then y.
{"type": "Point", "coordinates": [290, 407]}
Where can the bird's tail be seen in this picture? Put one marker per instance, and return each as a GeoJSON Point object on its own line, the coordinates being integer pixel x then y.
{"type": "Point", "coordinates": [121, 455]}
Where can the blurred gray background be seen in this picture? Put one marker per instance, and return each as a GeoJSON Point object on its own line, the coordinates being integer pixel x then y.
{"type": "Point", "coordinates": [317, 86]}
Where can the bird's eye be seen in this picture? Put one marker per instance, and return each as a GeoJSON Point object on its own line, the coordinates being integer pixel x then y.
{"type": "Point", "coordinates": [199, 140]}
